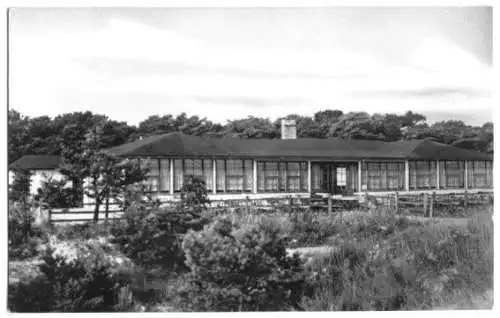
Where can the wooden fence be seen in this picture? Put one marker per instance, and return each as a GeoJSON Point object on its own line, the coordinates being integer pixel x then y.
{"type": "Point", "coordinates": [424, 204]}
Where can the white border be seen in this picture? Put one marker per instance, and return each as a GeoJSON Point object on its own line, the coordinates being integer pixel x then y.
{"type": "Point", "coordinates": [239, 4]}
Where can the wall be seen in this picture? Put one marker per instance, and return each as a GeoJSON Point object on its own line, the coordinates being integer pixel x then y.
{"type": "Point", "coordinates": [39, 176]}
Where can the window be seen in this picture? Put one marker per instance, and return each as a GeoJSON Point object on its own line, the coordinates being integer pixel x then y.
{"type": "Point", "coordinates": [341, 176]}
{"type": "Point", "coordinates": [178, 174]}
{"type": "Point", "coordinates": [164, 175]}
{"type": "Point", "coordinates": [385, 176]}
{"type": "Point", "coordinates": [208, 174]}
{"type": "Point", "coordinates": [248, 164]}
{"type": "Point", "coordinates": [452, 174]}
{"type": "Point", "coordinates": [479, 174]}
{"type": "Point", "coordinates": [316, 178]}
{"type": "Point", "coordinates": [199, 168]}
{"type": "Point", "coordinates": [374, 176]}
{"type": "Point", "coordinates": [304, 187]}
{"type": "Point", "coordinates": [281, 176]}
{"type": "Point", "coordinates": [293, 176]}
{"type": "Point", "coordinates": [153, 175]}
{"type": "Point", "coordinates": [234, 175]}
{"type": "Point", "coordinates": [221, 175]}
{"type": "Point", "coordinates": [423, 174]}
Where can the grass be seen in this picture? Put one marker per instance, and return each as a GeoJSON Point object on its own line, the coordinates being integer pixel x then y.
{"type": "Point", "coordinates": [421, 266]}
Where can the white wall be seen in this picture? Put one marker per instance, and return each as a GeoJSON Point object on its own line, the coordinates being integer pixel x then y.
{"type": "Point", "coordinates": [39, 176]}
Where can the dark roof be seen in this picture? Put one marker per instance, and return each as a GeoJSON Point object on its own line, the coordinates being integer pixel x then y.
{"type": "Point", "coordinates": [37, 162]}
{"type": "Point", "coordinates": [180, 145]}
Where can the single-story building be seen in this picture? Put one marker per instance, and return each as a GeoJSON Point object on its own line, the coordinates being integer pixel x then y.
{"type": "Point", "coordinates": [40, 167]}
{"type": "Point", "coordinates": [233, 167]}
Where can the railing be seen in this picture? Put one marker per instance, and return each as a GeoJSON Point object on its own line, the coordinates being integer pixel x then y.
{"type": "Point", "coordinates": [421, 204]}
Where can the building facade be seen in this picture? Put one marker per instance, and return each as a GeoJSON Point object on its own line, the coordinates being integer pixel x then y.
{"type": "Point", "coordinates": [233, 168]}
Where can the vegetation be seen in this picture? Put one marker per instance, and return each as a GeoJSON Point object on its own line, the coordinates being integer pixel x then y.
{"type": "Point", "coordinates": [373, 261]}
{"type": "Point", "coordinates": [183, 258]}
{"type": "Point", "coordinates": [24, 236]}
{"type": "Point", "coordinates": [422, 267]}
{"type": "Point", "coordinates": [74, 278]}
{"type": "Point", "coordinates": [66, 135]}
{"type": "Point", "coordinates": [240, 268]}
{"type": "Point", "coordinates": [152, 236]}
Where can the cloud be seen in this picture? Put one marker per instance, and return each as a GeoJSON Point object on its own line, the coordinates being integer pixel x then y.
{"type": "Point", "coordinates": [254, 101]}
{"type": "Point", "coordinates": [428, 92]}
{"type": "Point", "coordinates": [133, 70]}
{"type": "Point", "coordinates": [138, 68]}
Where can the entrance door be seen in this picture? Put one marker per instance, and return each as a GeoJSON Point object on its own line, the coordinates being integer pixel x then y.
{"type": "Point", "coordinates": [330, 177]}
{"type": "Point", "coordinates": [324, 177]}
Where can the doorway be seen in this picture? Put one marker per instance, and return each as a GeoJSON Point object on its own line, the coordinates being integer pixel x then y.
{"type": "Point", "coordinates": [333, 177]}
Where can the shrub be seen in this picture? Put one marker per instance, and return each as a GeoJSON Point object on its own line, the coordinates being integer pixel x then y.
{"type": "Point", "coordinates": [403, 266]}
{"type": "Point", "coordinates": [85, 231]}
{"type": "Point", "coordinates": [154, 237]}
{"type": "Point", "coordinates": [23, 235]}
{"type": "Point", "coordinates": [240, 268]}
{"type": "Point", "coordinates": [55, 194]}
{"type": "Point", "coordinates": [194, 194]}
{"type": "Point", "coordinates": [76, 277]}
{"type": "Point", "coordinates": [20, 187]}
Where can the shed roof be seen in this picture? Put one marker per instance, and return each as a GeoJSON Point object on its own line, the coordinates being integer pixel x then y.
{"type": "Point", "coordinates": [180, 145]}
{"type": "Point", "coordinates": [37, 162]}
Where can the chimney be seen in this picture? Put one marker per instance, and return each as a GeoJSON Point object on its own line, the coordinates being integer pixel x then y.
{"type": "Point", "coordinates": [288, 129]}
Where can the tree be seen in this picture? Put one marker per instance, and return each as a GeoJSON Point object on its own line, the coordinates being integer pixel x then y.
{"type": "Point", "coordinates": [107, 174]}
{"type": "Point", "coordinates": [251, 127]}
{"type": "Point", "coordinates": [20, 187]}
{"type": "Point", "coordinates": [410, 119]}
{"type": "Point", "coordinates": [17, 135]}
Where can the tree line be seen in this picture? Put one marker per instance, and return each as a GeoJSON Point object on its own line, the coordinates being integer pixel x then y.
{"type": "Point", "coordinates": [66, 135]}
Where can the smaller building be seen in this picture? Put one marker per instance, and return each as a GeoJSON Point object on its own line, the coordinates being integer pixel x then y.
{"type": "Point", "coordinates": [40, 167]}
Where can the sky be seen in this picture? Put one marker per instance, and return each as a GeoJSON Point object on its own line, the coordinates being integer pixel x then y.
{"type": "Point", "coordinates": [227, 63]}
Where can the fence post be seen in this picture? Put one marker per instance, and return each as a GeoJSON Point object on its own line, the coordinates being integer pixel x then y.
{"type": "Point", "coordinates": [431, 207]}
{"type": "Point", "coordinates": [366, 200]}
{"type": "Point", "coordinates": [466, 200]}
{"type": "Point", "coordinates": [247, 206]}
{"type": "Point", "coordinates": [329, 203]}
{"type": "Point", "coordinates": [396, 198]}
{"type": "Point", "coordinates": [425, 204]}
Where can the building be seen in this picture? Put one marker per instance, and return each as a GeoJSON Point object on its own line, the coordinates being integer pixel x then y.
{"type": "Point", "coordinates": [40, 167]}
{"type": "Point", "coordinates": [257, 168]}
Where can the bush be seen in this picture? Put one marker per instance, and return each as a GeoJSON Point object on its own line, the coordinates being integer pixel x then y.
{"type": "Point", "coordinates": [154, 237]}
{"type": "Point", "coordinates": [23, 235]}
{"type": "Point", "coordinates": [55, 194]}
{"type": "Point", "coordinates": [240, 268]}
{"type": "Point", "coordinates": [397, 265]}
{"type": "Point", "coordinates": [194, 194]}
{"type": "Point", "coordinates": [82, 277]}
{"type": "Point", "coordinates": [85, 231]}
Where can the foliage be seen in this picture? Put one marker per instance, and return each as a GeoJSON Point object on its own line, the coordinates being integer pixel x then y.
{"type": "Point", "coordinates": [56, 194]}
{"type": "Point", "coordinates": [75, 278]}
{"type": "Point", "coordinates": [23, 236]}
{"type": "Point", "coordinates": [408, 267]}
{"type": "Point", "coordinates": [137, 197]}
{"type": "Point", "coordinates": [65, 135]}
{"type": "Point", "coordinates": [194, 194]}
{"type": "Point", "coordinates": [19, 189]}
{"type": "Point", "coordinates": [240, 268]}
{"type": "Point", "coordinates": [152, 237]}
{"type": "Point", "coordinates": [108, 175]}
